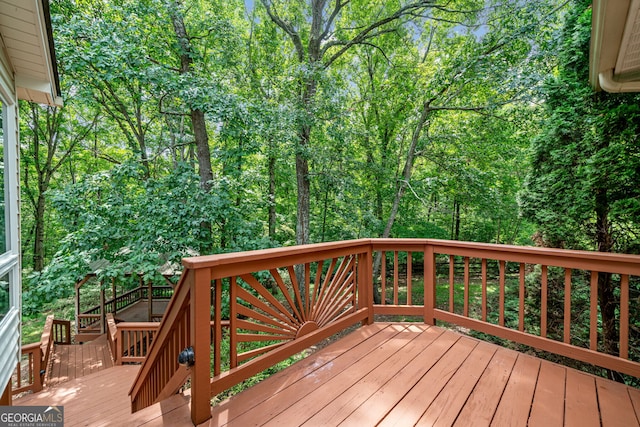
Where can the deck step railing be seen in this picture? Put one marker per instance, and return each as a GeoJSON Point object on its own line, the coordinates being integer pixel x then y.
{"type": "Point", "coordinates": [31, 370]}
{"type": "Point", "coordinates": [130, 342]}
{"type": "Point", "coordinates": [280, 301]}
{"type": "Point", "coordinates": [160, 375]}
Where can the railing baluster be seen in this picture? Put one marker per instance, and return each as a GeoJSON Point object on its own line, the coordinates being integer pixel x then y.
{"type": "Point", "coordinates": [409, 278]}
{"type": "Point", "coordinates": [307, 286]}
{"type": "Point", "coordinates": [521, 298]}
{"type": "Point", "coordinates": [593, 314]}
{"type": "Point", "coordinates": [233, 313]}
{"type": "Point", "coordinates": [466, 287]}
{"type": "Point", "coordinates": [503, 267]}
{"type": "Point", "coordinates": [452, 273]}
{"type": "Point", "coordinates": [543, 301]}
{"type": "Point", "coordinates": [217, 334]}
{"type": "Point", "coordinates": [624, 316]}
{"type": "Point", "coordinates": [484, 289]}
{"type": "Point", "coordinates": [567, 305]}
{"type": "Point", "coordinates": [396, 278]}
{"type": "Point", "coordinates": [383, 277]}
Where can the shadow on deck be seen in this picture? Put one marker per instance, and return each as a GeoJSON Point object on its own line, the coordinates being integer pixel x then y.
{"type": "Point", "coordinates": [382, 374]}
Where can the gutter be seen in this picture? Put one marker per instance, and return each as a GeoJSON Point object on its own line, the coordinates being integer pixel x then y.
{"type": "Point", "coordinates": [609, 84]}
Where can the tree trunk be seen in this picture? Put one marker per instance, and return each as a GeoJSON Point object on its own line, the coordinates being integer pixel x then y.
{"type": "Point", "coordinates": [202, 146]}
{"type": "Point", "coordinates": [197, 117]}
{"type": "Point", "coordinates": [272, 196]}
{"type": "Point", "coordinates": [456, 216]}
{"type": "Point", "coordinates": [606, 297]}
{"type": "Point", "coordinates": [304, 192]}
{"type": "Point", "coordinates": [400, 188]}
{"type": "Point", "coordinates": [38, 245]}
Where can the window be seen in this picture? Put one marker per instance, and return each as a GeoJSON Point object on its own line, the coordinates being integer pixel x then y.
{"type": "Point", "coordinates": [9, 227]}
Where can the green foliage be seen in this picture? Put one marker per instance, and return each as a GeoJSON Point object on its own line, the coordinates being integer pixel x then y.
{"type": "Point", "coordinates": [585, 158]}
{"type": "Point", "coordinates": [137, 226]}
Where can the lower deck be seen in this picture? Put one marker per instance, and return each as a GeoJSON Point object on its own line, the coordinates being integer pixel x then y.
{"type": "Point", "coordinates": [383, 374]}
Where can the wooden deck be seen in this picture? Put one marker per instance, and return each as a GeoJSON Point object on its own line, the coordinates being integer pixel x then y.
{"type": "Point", "coordinates": [383, 374]}
{"type": "Point", "coordinates": [139, 311]}
{"type": "Point", "coordinates": [75, 361]}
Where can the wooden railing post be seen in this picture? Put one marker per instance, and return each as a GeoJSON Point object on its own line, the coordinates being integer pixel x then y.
{"type": "Point", "coordinates": [7, 395]}
{"type": "Point", "coordinates": [37, 368]}
{"type": "Point", "coordinates": [365, 283]}
{"type": "Point", "coordinates": [201, 342]}
{"type": "Point", "coordinates": [429, 285]}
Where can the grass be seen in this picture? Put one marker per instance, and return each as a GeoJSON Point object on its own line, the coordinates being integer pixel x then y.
{"type": "Point", "coordinates": [32, 325]}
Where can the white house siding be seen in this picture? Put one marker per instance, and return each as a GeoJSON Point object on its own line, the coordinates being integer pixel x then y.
{"type": "Point", "coordinates": [10, 260]}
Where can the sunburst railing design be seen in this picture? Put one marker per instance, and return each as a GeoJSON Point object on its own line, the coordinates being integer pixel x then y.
{"type": "Point", "coordinates": [281, 308]}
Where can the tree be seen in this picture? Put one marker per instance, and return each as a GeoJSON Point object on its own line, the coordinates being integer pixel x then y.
{"type": "Point", "coordinates": [52, 136]}
{"type": "Point", "coordinates": [321, 33]}
{"type": "Point", "coordinates": [579, 190]}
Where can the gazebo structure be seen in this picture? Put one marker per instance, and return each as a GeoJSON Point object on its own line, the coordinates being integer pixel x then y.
{"type": "Point", "coordinates": [142, 301]}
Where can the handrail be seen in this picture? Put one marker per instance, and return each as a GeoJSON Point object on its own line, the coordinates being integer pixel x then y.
{"type": "Point", "coordinates": [55, 331]}
{"type": "Point", "coordinates": [160, 376]}
{"type": "Point", "coordinates": [33, 378]}
{"type": "Point", "coordinates": [130, 297]}
{"type": "Point", "coordinates": [112, 337]}
{"type": "Point", "coordinates": [282, 300]}
{"type": "Point", "coordinates": [133, 341]}
{"type": "Point", "coordinates": [88, 318]}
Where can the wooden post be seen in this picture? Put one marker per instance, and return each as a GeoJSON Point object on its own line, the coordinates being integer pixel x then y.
{"type": "Point", "coordinates": [365, 283]}
{"type": "Point", "coordinates": [37, 367]}
{"type": "Point", "coordinates": [200, 301]}
{"type": "Point", "coordinates": [102, 309]}
{"type": "Point", "coordinates": [118, 344]}
{"type": "Point", "coordinates": [429, 285]}
{"type": "Point", "coordinates": [150, 299]}
{"type": "Point", "coordinates": [114, 294]}
{"type": "Point", "coordinates": [6, 398]}
{"type": "Point", "coordinates": [77, 309]}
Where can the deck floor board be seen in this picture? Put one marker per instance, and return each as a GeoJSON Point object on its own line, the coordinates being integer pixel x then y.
{"type": "Point", "coordinates": [77, 360]}
{"type": "Point", "coordinates": [483, 400]}
{"type": "Point", "coordinates": [383, 374]}
{"type": "Point", "coordinates": [548, 398]}
{"type": "Point", "coordinates": [445, 408]}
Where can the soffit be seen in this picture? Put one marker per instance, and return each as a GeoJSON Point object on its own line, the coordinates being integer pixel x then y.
{"type": "Point", "coordinates": [25, 36]}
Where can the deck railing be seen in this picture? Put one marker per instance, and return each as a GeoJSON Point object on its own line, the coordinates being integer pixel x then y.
{"type": "Point", "coordinates": [130, 341]}
{"type": "Point", "coordinates": [90, 320]}
{"type": "Point", "coordinates": [31, 370]}
{"type": "Point", "coordinates": [280, 301]}
{"type": "Point", "coordinates": [518, 280]}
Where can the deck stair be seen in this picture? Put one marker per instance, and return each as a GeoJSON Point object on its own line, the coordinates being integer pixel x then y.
{"type": "Point", "coordinates": [101, 398]}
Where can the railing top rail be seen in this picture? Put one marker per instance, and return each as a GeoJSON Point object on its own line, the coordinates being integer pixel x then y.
{"type": "Point", "coordinates": [513, 249]}
{"type": "Point", "coordinates": [29, 347]}
{"type": "Point", "coordinates": [266, 258]}
{"type": "Point", "coordinates": [138, 325]}
{"type": "Point", "coordinates": [600, 261]}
